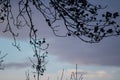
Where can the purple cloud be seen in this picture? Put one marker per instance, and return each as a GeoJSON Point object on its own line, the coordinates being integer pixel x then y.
{"type": "Point", "coordinates": [105, 53]}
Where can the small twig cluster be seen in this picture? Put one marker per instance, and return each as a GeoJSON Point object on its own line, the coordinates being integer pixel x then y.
{"type": "Point", "coordinates": [27, 75]}
{"type": "Point", "coordinates": [1, 60]}
{"type": "Point", "coordinates": [74, 75]}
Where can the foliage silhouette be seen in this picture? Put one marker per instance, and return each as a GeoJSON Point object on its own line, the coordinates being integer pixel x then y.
{"type": "Point", "coordinates": [40, 55]}
{"type": "Point", "coordinates": [7, 16]}
{"type": "Point", "coordinates": [84, 20]}
{"type": "Point", "coordinates": [79, 17]}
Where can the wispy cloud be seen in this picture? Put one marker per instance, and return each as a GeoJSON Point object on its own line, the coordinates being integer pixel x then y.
{"type": "Point", "coordinates": [98, 74]}
{"type": "Point", "coordinates": [17, 65]}
{"type": "Point", "coordinates": [105, 53]}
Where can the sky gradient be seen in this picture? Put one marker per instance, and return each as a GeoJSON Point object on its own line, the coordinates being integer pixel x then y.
{"type": "Point", "coordinates": [99, 61]}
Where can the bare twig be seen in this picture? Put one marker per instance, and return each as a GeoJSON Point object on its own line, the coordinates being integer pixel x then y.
{"type": "Point", "coordinates": [1, 60]}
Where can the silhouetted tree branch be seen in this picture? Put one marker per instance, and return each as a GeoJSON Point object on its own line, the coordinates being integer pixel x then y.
{"type": "Point", "coordinates": [27, 75]}
{"type": "Point", "coordinates": [77, 75]}
{"type": "Point", "coordinates": [40, 52]}
{"type": "Point", "coordinates": [40, 55]}
{"type": "Point", "coordinates": [1, 60]}
{"type": "Point", "coordinates": [84, 20]}
{"type": "Point", "coordinates": [24, 19]}
{"type": "Point", "coordinates": [80, 18]}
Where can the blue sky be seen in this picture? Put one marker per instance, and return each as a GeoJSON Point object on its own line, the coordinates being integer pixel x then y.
{"type": "Point", "coordinates": [99, 61]}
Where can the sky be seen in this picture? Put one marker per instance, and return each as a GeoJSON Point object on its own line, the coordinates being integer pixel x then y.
{"type": "Point", "coordinates": [99, 61]}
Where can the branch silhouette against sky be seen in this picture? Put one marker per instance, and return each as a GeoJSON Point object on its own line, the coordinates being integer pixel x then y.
{"type": "Point", "coordinates": [82, 19]}
{"type": "Point", "coordinates": [69, 26]}
{"type": "Point", "coordinates": [1, 60]}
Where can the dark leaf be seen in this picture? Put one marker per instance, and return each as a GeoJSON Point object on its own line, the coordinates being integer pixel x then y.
{"type": "Point", "coordinates": [95, 29]}
{"type": "Point", "coordinates": [109, 31]}
{"type": "Point", "coordinates": [102, 30]}
{"type": "Point", "coordinates": [6, 5]}
{"type": "Point", "coordinates": [63, 5]}
{"type": "Point", "coordinates": [82, 12]}
{"type": "Point", "coordinates": [116, 14]}
{"type": "Point", "coordinates": [108, 14]}
{"type": "Point", "coordinates": [44, 41]}
{"type": "Point", "coordinates": [49, 23]}
{"type": "Point", "coordinates": [112, 22]}
{"type": "Point", "coordinates": [118, 26]}
{"type": "Point", "coordinates": [69, 34]}
{"type": "Point", "coordinates": [41, 74]}
{"type": "Point", "coordinates": [72, 9]}
{"type": "Point", "coordinates": [81, 25]}
{"type": "Point", "coordinates": [103, 15]}
{"type": "Point", "coordinates": [77, 34]}
{"type": "Point", "coordinates": [2, 18]}
{"type": "Point", "coordinates": [92, 11]}
{"type": "Point", "coordinates": [91, 35]}
{"type": "Point", "coordinates": [47, 20]}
